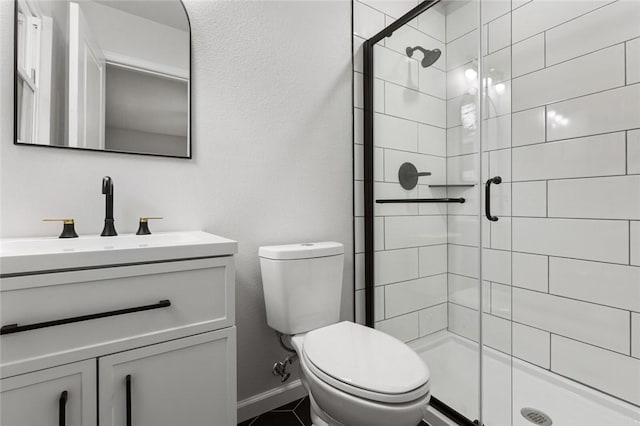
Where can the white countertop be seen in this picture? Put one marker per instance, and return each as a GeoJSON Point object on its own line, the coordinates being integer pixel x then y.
{"type": "Point", "coordinates": [30, 255]}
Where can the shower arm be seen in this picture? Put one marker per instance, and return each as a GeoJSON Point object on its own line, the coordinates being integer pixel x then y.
{"type": "Point", "coordinates": [410, 50]}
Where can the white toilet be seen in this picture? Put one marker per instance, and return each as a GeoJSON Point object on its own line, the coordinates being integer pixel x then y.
{"type": "Point", "coordinates": [355, 375]}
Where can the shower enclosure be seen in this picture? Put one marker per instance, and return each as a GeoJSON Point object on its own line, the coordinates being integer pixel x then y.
{"type": "Point", "coordinates": [500, 205]}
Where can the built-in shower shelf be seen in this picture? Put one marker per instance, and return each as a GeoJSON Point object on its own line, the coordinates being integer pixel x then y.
{"type": "Point", "coordinates": [462, 185]}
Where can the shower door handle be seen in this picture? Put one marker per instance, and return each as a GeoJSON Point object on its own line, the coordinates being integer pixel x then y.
{"type": "Point", "coordinates": [487, 197]}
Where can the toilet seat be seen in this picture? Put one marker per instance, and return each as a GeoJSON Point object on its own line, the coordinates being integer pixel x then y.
{"type": "Point", "coordinates": [364, 362]}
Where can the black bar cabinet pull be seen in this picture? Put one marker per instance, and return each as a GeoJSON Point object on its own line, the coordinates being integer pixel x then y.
{"type": "Point", "coordinates": [422, 200]}
{"type": "Point", "coordinates": [128, 382]}
{"type": "Point", "coordinates": [487, 197]}
{"type": "Point", "coordinates": [62, 409]}
{"type": "Point", "coordinates": [15, 328]}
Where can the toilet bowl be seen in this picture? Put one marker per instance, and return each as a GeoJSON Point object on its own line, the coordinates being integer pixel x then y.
{"type": "Point", "coordinates": [355, 375]}
{"type": "Point", "coordinates": [358, 376]}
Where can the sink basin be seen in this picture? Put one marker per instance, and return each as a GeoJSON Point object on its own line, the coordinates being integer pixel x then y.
{"type": "Point", "coordinates": [38, 255]}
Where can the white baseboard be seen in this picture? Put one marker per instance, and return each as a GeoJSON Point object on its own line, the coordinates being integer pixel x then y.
{"type": "Point", "coordinates": [267, 401]}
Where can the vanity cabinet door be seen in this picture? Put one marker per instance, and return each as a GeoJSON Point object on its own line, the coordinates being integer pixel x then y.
{"type": "Point", "coordinates": [61, 396]}
{"type": "Point", "coordinates": [189, 381]}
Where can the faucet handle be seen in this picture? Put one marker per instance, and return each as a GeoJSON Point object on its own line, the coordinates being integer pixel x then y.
{"type": "Point", "coordinates": [68, 230]}
{"type": "Point", "coordinates": [143, 228]}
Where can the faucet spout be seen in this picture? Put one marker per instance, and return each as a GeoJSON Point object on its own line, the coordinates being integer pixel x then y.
{"type": "Point", "coordinates": [109, 229]}
{"type": "Point", "coordinates": [107, 185]}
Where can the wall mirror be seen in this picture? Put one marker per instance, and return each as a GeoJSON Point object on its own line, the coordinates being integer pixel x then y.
{"type": "Point", "coordinates": [103, 75]}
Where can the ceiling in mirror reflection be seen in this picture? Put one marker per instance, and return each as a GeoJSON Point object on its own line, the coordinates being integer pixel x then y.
{"type": "Point", "coordinates": [170, 13]}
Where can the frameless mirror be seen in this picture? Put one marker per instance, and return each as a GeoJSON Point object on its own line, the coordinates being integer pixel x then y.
{"type": "Point", "coordinates": [103, 75]}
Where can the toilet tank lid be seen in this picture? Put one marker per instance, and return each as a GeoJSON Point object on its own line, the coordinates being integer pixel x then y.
{"type": "Point", "coordinates": [301, 250]}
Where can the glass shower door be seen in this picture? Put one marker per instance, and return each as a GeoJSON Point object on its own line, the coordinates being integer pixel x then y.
{"type": "Point", "coordinates": [423, 194]}
{"type": "Point", "coordinates": [562, 338]}
{"type": "Point", "coordinates": [496, 98]}
{"type": "Point", "coordinates": [521, 298]}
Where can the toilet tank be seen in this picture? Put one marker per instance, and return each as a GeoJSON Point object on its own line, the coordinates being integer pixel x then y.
{"type": "Point", "coordinates": [302, 285]}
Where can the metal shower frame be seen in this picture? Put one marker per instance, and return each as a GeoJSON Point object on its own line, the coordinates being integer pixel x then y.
{"type": "Point", "coordinates": [369, 150]}
{"type": "Point", "coordinates": [368, 80]}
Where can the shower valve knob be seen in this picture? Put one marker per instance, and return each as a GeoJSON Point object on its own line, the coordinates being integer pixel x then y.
{"type": "Point", "coordinates": [408, 175]}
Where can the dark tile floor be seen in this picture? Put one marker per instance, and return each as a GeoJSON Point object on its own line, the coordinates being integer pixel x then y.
{"type": "Point", "coordinates": [295, 413]}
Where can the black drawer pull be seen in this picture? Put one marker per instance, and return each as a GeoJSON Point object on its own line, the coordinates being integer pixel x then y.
{"type": "Point", "coordinates": [15, 328]}
{"type": "Point", "coordinates": [128, 408]}
{"type": "Point", "coordinates": [422, 200]}
{"type": "Point", "coordinates": [62, 409]}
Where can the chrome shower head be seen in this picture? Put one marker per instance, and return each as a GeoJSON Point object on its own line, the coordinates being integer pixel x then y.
{"type": "Point", "coordinates": [430, 56]}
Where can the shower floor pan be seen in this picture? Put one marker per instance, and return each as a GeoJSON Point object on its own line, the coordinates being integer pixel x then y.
{"type": "Point", "coordinates": [453, 362]}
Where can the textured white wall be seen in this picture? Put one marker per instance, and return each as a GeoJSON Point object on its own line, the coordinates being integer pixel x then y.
{"type": "Point", "coordinates": [271, 143]}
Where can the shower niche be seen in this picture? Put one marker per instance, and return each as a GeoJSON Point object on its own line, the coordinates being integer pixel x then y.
{"type": "Point", "coordinates": [482, 249]}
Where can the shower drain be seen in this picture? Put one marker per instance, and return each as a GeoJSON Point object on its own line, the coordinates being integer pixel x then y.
{"type": "Point", "coordinates": [536, 417]}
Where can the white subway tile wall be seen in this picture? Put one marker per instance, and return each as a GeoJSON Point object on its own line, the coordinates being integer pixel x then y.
{"type": "Point", "coordinates": [463, 321]}
{"type": "Point", "coordinates": [409, 126]}
{"type": "Point", "coordinates": [608, 111]}
{"type": "Point", "coordinates": [618, 198]}
{"type": "Point", "coordinates": [528, 126]}
{"type": "Point", "coordinates": [464, 291]}
{"type": "Point", "coordinates": [538, 16]}
{"type": "Point", "coordinates": [599, 240]}
{"type": "Point", "coordinates": [633, 152]}
{"type": "Point", "coordinates": [633, 61]}
{"type": "Point", "coordinates": [601, 155]}
{"type": "Point", "coordinates": [496, 333]}
{"type": "Point", "coordinates": [586, 74]}
{"type": "Point", "coordinates": [599, 325]}
{"type": "Point", "coordinates": [532, 344]}
{"type": "Point", "coordinates": [531, 271]}
{"type": "Point", "coordinates": [414, 231]}
{"type": "Point", "coordinates": [414, 295]}
{"type": "Point", "coordinates": [530, 199]}
{"type": "Point", "coordinates": [586, 33]}
{"type": "Point", "coordinates": [561, 126]}
{"type": "Point", "coordinates": [634, 243]}
{"type": "Point", "coordinates": [497, 133]}
{"type": "Point", "coordinates": [394, 266]}
{"type": "Point", "coordinates": [432, 319]}
{"type": "Point", "coordinates": [583, 280]}
{"type": "Point", "coordinates": [528, 55]}
{"type": "Point", "coordinates": [499, 33]}
{"type": "Point", "coordinates": [587, 364]}
{"type": "Point", "coordinates": [404, 327]}
{"type": "Point", "coordinates": [501, 301]}
{"type": "Point", "coordinates": [432, 140]}
{"type": "Point", "coordinates": [635, 335]}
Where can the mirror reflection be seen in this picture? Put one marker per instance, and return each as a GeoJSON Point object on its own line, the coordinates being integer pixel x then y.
{"type": "Point", "coordinates": [108, 75]}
